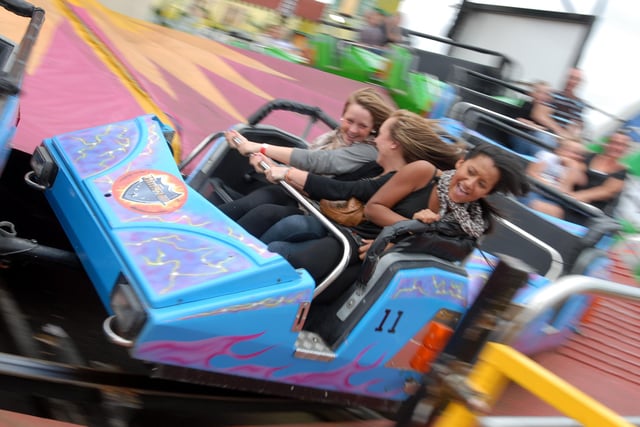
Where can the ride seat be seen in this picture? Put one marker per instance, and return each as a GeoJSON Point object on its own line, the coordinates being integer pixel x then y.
{"type": "Point", "coordinates": [227, 173]}
{"type": "Point", "coordinates": [497, 105]}
{"type": "Point", "coordinates": [6, 53]}
{"type": "Point", "coordinates": [334, 320]}
{"type": "Point", "coordinates": [565, 240]}
{"type": "Point", "coordinates": [326, 54]}
{"type": "Point", "coordinates": [222, 164]}
{"type": "Point", "coordinates": [402, 62]}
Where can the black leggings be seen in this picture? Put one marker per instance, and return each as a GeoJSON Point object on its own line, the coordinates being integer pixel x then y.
{"type": "Point", "coordinates": [260, 209]}
{"type": "Point", "coordinates": [319, 257]}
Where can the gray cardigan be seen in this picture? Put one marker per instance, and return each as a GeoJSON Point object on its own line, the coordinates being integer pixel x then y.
{"type": "Point", "coordinates": [333, 162]}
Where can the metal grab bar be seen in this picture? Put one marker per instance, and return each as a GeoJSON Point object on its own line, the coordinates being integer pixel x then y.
{"type": "Point", "coordinates": [504, 60]}
{"type": "Point", "coordinates": [555, 294]}
{"type": "Point", "coordinates": [313, 210]}
{"type": "Point", "coordinates": [346, 246]}
{"type": "Point", "coordinates": [314, 114]}
{"type": "Point", "coordinates": [19, 7]}
{"type": "Point", "coordinates": [500, 82]}
{"type": "Point", "coordinates": [556, 262]}
{"type": "Point", "coordinates": [510, 421]}
{"type": "Point", "coordinates": [12, 80]}
{"type": "Point", "coordinates": [460, 109]}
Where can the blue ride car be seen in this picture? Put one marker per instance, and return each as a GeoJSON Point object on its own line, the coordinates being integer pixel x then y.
{"type": "Point", "coordinates": [189, 291]}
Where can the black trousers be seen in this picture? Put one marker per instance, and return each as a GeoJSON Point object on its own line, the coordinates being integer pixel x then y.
{"type": "Point", "coordinates": [259, 210]}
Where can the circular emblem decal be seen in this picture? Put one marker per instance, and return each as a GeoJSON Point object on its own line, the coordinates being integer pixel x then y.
{"type": "Point", "coordinates": [150, 191]}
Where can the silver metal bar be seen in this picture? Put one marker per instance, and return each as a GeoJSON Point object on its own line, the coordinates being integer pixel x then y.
{"type": "Point", "coordinates": [16, 73]}
{"type": "Point", "coordinates": [538, 421]}
{"type": "Point", "coordinates": [346, 247]}
{"type": "Point", "coordinates": [199, 149]}
{"type": "Point", "coordinates": [459, 110]}
{"type": "Point", "coordinates": [346, 252]}
{"type": "Point", "coordinates": [555, 294]}
{"type": "Point", "coordinates": [557, 263]}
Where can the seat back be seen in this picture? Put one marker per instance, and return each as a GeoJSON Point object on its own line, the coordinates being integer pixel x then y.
{"type": "Point", "coordinates": [549, 246]}
{"type": "Point", "coordinates": [335, 320]}
{"type": "Point", "coordinates": [230, 167]}
{"type": "Point", "coordinates": [401, 62]}
{"type": "Point", "coordinates": [443, 67]}
{"type": "Point", "coordinates": [324, 52]}
{"type": "Point", "coordinates": [6, 52]}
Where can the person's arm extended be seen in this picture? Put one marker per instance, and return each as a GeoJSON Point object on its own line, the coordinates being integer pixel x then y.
{"type": "Point", "coordinates": [535, 169]}
{"type": "Point", "coordinates": [410, 178]}
{"type": "Point", "coordinates": [574, 174]}
{"type": "Point", "coordinates": [542, 114]}
{"type": "Point", "coordinates": [609, 189]}
{"type": "Point", "coordinates": [292, 176]}
{"type": "Point", "coordinates": [333, 162]}
{"type": "Point", "coordinates": [246, 147]}
{"type": "Point", "coordinates": [321, 187]}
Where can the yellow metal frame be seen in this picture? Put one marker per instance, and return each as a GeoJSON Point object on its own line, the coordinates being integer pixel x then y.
{"type": "Point", "coordinates": [498, 364]}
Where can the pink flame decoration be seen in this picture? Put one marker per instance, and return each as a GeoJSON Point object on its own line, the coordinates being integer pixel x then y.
{"type": "Point", "coordinates": [196, 353]}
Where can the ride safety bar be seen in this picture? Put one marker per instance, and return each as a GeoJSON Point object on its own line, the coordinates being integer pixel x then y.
{"type": "Point", "coordinates": [515, 421]}
{"type": "Point", "coordinates": [498, 364]}
{"type": "Point", "coordinates": [562, 289]}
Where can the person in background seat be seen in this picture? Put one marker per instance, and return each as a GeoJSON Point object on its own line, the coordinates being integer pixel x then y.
{"type": "Point", "coordinates": [602, 179]}
{"type": "Point", "coordinates": [373, 32]}
{"type": "Point", "coordinates": [562, 114]}
{"type": "Point", "coordinates": [393, 29]}
{"type": "Point", "coordinates": [564, 168]}
{"type": "Point", "coordinates": [557, 114]}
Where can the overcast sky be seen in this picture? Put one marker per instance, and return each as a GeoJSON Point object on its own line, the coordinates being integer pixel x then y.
{"type": "Point", "coordinates": [609, 61]}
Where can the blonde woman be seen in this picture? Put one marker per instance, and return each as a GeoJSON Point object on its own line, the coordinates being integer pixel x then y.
{"type": "Point", "coordinates": [346, 151]}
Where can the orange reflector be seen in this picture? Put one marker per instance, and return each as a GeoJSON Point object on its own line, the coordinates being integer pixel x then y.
{"type": "Point", "coordinates": [433, 343]}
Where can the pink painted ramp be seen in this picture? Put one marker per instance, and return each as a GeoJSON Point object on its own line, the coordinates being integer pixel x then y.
{"type": "Point", "coordinates": [94, 66]}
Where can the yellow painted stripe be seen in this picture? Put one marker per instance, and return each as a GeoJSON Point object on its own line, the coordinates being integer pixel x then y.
{"type": "Point", "coordinates": [115, 66]}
